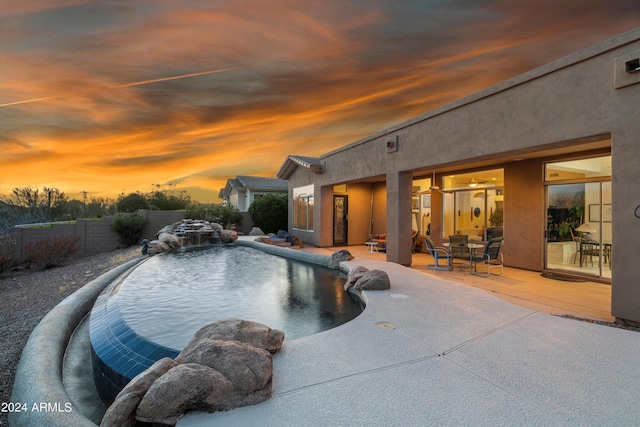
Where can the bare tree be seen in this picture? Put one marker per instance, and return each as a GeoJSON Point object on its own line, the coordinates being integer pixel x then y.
{"type": "Point", "coordinates": [28, 205]}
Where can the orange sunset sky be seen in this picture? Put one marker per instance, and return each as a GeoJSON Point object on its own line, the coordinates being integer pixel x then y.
{"type": "Point", "coordinates": [114, 96]}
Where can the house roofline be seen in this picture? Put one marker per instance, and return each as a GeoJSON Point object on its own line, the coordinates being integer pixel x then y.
{"type": "Point", "coordinates": [291, 163]}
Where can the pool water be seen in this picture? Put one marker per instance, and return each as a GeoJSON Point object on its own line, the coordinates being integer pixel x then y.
{"type": "Point", "coordinates": [168, 298]}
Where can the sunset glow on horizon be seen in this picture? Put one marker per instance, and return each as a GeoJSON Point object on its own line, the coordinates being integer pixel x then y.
{"type": "Point", "coordinates": [112, 97]}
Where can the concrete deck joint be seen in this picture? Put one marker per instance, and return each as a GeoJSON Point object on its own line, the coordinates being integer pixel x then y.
{"type": "Point", "coordinates": [486, 334]}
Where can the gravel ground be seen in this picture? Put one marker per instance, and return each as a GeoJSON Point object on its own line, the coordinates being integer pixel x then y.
{"type": "Point", "coordinates": [28, 295]}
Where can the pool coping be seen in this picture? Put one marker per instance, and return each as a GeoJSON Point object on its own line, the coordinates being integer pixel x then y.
{"type": "Point", "coordinates": [38, 379]}
{"type": "Point", "coordinates": [286, 252]}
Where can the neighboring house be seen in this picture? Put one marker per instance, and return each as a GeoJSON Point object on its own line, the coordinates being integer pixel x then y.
{"type": "Point", "coordinates": [243, 190]}
{"type": "Point", "coordinates": [538, 158]}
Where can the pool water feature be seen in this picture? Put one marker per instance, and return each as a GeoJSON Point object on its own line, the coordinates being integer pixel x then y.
{"type": "Point", "coordinates": [154, 311]}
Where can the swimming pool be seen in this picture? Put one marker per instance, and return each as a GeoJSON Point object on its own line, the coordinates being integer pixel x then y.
{"type": "Point", "coordinates": [153, 311]}
{"type": "Point", "coordinates": [168, 298]}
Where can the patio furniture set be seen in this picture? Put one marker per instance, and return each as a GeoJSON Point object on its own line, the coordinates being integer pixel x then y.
{"type": "Point", "coordinates": [460, 248]}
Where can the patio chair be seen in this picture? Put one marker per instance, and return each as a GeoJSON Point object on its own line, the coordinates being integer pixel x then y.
{"type": "Point", "coordinates": [577, 240]}
{"type": "Point", "coordinates": [437, 253]}
{"type": "Point", "coordinates": [491, 255]}
{"type": "Point", "coordinates": [458, 248]}
{"type": "Point", "coordinates": [588, 249]}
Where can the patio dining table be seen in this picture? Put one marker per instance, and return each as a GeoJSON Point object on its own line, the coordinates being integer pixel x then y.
{"type": "Point", "coordinates": [590, 248]}
{"type": "Point", "coordinates": [473, 249]}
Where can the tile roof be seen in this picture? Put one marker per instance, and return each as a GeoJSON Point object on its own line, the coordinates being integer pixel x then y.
{"type": "Point", "coordinates": [292, 162]}
{"type": "Point", "coordinates": [259, 182]}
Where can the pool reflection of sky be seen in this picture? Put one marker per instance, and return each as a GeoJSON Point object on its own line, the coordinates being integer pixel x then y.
{"type": "Point", "coordinates": [169, 297]}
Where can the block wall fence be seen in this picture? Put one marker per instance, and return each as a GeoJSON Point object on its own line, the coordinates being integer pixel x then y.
{"type": "Point", "coordinates": [96, 236]}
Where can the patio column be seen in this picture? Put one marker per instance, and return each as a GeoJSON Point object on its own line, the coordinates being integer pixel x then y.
{"type": "Point", "coordinates": [399, 217]}
{"type": "Point", "coordinates": [325, 205]}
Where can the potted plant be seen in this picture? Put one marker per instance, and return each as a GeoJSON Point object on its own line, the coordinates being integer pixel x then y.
{"type": "Point", "coordinates": [496, 218]}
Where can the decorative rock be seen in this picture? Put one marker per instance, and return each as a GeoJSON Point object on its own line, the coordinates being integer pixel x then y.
{"type": "Point", "coordinates": [264, 239]}
{"type": "Point", "coordinates": [170, 239]}
{"type": "Point", "coordinates": [338, 257]}
{"type": "Point", "coordinates": [167, 229]}
{"type": "Point", "coordinates": [247, 332]}
{"type": "Point", "coordinates": [374, 280]}
{"type": "Point", "coordinates": [228, 236]}
{"type": "Point", "coordinates": [122, 412]}
{"type": "Point", "coordinates": [248, 368]}
{"type": "Point", "coordinates": [157, 247]}
{"type": "Point", "coordinates": [188, 232]}
{"type": "Point", "coordinates": [256, 231]}
{"type": "Point", "coordinates": [226, 365]}
{"type": "Point", "coordinates": [183, 388]}
{"type": "Point", "coordinates": [354, 275]}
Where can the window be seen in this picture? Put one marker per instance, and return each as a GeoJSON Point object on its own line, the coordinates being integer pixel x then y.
{"type": "Point", "coordinates": [578, 170]}
{"type": "Point", "coordinates": [303, 207]}
{"type": "Point", "coordinates": [473, 204]}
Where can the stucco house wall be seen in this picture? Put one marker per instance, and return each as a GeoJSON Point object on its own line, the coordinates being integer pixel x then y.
{"type": "Point", "coordinates": [581, 104]}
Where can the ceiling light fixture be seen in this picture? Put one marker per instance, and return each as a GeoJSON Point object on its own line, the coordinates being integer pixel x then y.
{"type": "Point", "coordinates": [473, 183]}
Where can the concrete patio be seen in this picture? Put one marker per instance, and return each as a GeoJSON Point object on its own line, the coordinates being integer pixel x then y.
{"type": "Point", "coordinates": [587, 299]}
{"type": "Point", "coordinates": [433, 351]}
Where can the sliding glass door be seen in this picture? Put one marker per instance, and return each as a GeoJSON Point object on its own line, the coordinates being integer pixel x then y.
{"type": "Point", "coordinates": [578, 229]}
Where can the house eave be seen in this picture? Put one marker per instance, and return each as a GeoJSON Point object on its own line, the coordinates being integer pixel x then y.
{"type": "Point", "coordinates": [293, 162]}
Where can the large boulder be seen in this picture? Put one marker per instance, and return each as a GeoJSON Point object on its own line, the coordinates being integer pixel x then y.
{"type": "Point", "coordinates": [184, 388]}
{"type": "Point", "coordinates": [228, 236]}
{"type": "Point", "coordinates": [354, 275]}
{"type": "Point", "coordinates": [226, 365]}
{"type": "Point", "coordinates": [247, 332]}
{"type": "Point", "coordinates": [374, 280]}
{"type": "Point", "coordinates": [122, 412]}
{"type": "Point", "coordinates": [338, 257]}
{"type": "Point", "coordinates": [256, 231]}
{"type": "Point", "coordinates": [248, 368]}
{"type": "Point", "coordinates": [170, 239]}
{"type": "Point", "coordinates": [157, 247]}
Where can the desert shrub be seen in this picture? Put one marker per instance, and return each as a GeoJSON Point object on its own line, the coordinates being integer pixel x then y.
{"type": "Point", "coordinates": [198, 211]}
{"type": "Point", "coordinates": [129, 228]}
{"type": "Point", "coordinates": [7, 249]}
{"type": "Point", "coordinates": [131, 203]}
{"type": "Point", "coordinates": [270, 212]}
{"type": "Point", "coordinates": [51, 251]}
{"type": "Point", "coordinates": [227, 216]}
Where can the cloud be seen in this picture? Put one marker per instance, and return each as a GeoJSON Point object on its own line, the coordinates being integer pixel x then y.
{"type": "Point", "coordinates": [202, 91]}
